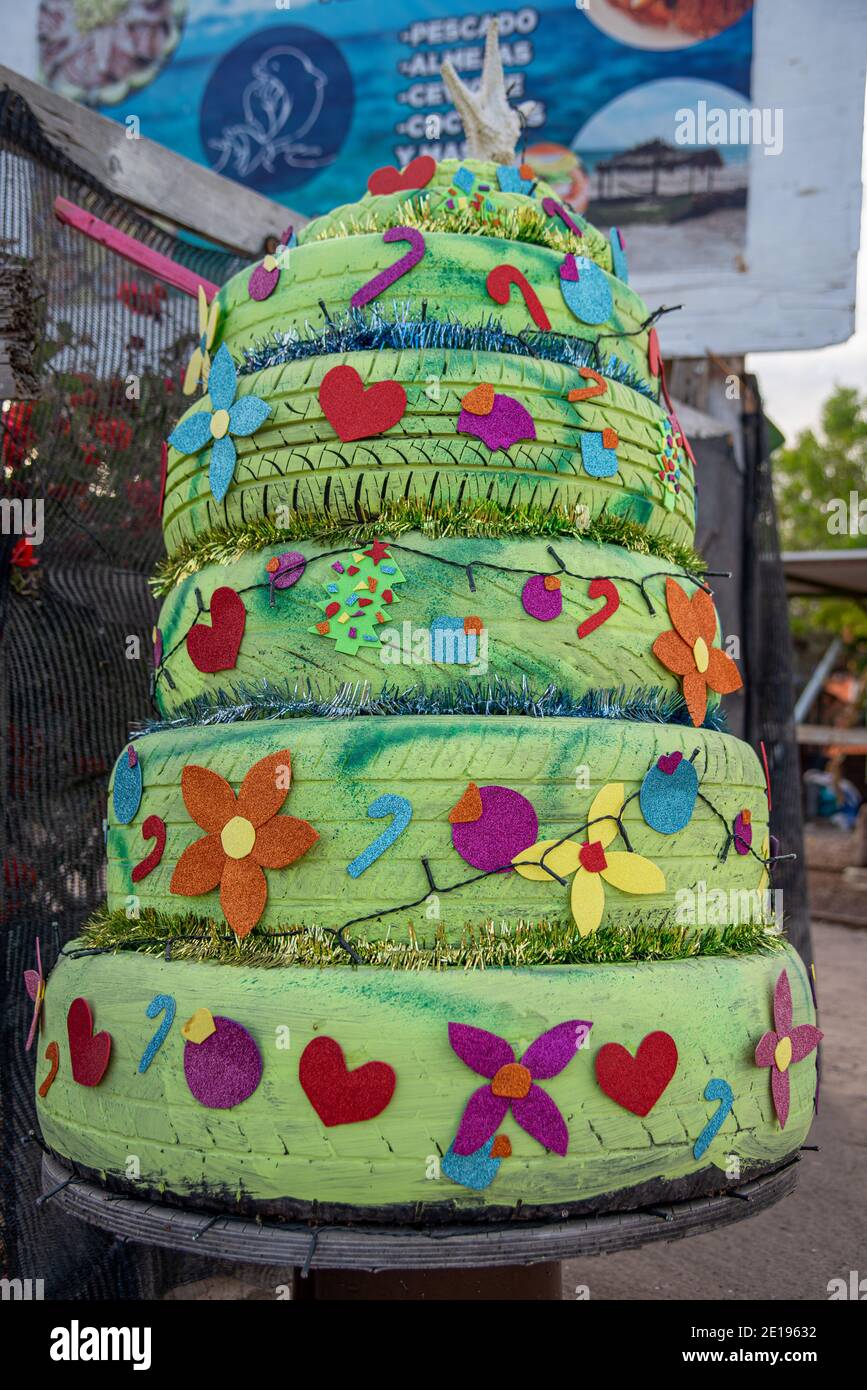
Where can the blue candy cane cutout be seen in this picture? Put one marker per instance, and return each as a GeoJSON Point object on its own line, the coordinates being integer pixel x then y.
{"type": "Point", "coordinates": [156, 1006]}
{"type": "Point", "coordinates": [388, 805]}
{"type": "Point", "coordinates": [714, 1090]}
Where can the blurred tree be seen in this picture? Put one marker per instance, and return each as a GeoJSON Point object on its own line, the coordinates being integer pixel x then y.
{"type": "Point", "coordinates": [820, 484]}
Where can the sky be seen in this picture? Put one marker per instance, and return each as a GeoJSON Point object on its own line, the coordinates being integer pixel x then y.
{"type": "Point", "coordinates": [795, 384]}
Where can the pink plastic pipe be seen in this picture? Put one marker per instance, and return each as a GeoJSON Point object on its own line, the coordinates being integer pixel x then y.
{"type": "Point", "coordinates": [162, 267]}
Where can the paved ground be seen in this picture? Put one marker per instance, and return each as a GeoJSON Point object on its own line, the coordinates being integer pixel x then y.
{"type": "Point", "coordinates": [788, 1252]}
{"type": "Point", "coordinates": [817, 1234]}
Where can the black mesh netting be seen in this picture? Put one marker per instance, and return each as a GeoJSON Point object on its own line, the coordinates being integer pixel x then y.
{"type": "Point", "coordinates": [110, 344]}
{"type": "Point", "coordinates": [768, 676]}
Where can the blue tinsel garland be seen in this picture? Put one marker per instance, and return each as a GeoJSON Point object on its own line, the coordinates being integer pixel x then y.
{"type": "Point", "coordinates": [244, 702]}
{"type": "Point", "coordinates": [361, 330]}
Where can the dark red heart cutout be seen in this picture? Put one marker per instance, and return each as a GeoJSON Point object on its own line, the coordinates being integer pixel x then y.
{"type": "Point", "coordinates": [339, 1096]}
{"type": "Point", "coordinates": [88, 1051]}
{"type": "Point", "coordinates": [637, 1082]}
{"type": "Point", "coordinates": [356, 413]}
{"type": "Point", "coordinates": [417, 174]}
{"type": "Point", "coordinates": [216, 648]}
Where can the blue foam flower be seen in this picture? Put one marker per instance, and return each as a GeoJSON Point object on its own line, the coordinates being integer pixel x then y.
{"type": "Point", "coordinates": [476, 1170]}
{"type": "Point", "coordinates": [244, 418]}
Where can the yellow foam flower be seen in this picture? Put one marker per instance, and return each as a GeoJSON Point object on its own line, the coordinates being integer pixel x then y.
{"type": "Point", "coordinates": [591, 865]}
{"type": "Point", "coordinates": [199, 365]}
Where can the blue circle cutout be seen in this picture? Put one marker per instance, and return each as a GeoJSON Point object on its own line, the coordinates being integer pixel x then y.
{"type": "Point", "coordinates": [277, 109]}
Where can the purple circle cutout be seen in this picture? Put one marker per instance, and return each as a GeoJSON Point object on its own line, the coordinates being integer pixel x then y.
{"type": "Point", "coordinates": [224, 1069]}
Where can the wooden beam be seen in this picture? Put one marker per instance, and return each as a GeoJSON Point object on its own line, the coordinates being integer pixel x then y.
{"type": "Point", "coordinates": [826, 735]}
{"type": "Point", "coordinates": [153, 178]}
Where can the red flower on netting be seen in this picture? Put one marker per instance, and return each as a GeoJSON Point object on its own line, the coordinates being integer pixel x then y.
{"type": "Point", "coordinates": [116, 433]}
{"type": "Point", "coordinates": [18, 437]}
{"type": "Point", "coordinates": [142, 301]}
{"type": "Point", "coordinates": [23, 556]}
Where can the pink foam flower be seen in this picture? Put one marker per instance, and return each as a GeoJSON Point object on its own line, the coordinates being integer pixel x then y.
{"type": "Point", "coordinates": [34, 981]}
{"type": "Point", "coordinates": [781, 1048]}
{"type": "Point", "coordinates": [512, 1085]}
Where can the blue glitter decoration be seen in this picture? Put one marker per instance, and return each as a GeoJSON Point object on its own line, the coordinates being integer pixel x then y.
{"type": "Point", "coordinates": [598, 461]}
{"type": "Point", "coordinates": [464, 180]}
{"type": "Point", "coordinates": [160, 1004]}
{"type": "Point", "coordinates": [510, 180]}
{"type": "Point", "coordinates": [476, 1170]}
{"type": "Point", "coordinates": [127, 786]}
{"type": "Point", "coordinates": [667, 799]}
{"type": "Point", "coordinates": [618, 255]}
{"type": "Point", "coordinates": [716, 1089]}
{"type": "Point", "coordinates": [387, 805]}
{"type": "Point", "coordinates": [585, 289]}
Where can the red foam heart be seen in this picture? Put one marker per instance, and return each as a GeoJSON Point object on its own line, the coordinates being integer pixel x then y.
{"type": "Point", "coordinates": [88, 1051]}
{"type": "Point", "coordinates": [356, 413]}
{"type": "Point", "coordinates": [216, 648]}
{"type": "Point", "coordinates": [417, 174]}
{"type": "Point", "coordinates": [340, 1096]}
{"type": "Point", "coordinates": [637, 1082]}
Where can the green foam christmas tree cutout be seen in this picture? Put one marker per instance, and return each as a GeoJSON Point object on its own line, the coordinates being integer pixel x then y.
{"type": "Point", "coordinates": [359, 598]}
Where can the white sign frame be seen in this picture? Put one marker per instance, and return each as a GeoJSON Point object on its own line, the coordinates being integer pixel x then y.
{"type": "Point", "coordinates": [797, 288]}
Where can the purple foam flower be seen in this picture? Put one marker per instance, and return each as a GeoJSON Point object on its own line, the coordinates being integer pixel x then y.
{"type": "Point", "coordinates": [778, 1050]}
{"type": "Point", "coordinates": [513, 1084]}
{"type": "Point", "coordinates": [505, 423]}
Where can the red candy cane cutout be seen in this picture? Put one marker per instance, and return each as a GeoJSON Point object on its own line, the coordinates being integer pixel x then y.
{"type": "Point", "coordinates": [499, 284]}
{"type": "Point", "coordinates": [554, 209]}
{"type": "Point", "coordinates": [52, 1055]}
{"type": "Point", "coordinates": [584, 393]}
{"type": "Point", "coordinates": [381, 282]}
{"type": "Point", "coordinates": [600, 588]}
{"type": "Point", "coordinates": [153, 828]}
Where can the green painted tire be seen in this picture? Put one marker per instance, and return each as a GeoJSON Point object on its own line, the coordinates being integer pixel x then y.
{"type": "Point", "coordinates": [271, 1154]}
{"type": "Point", "coordinates": [376, 212]}
{"type": "Point", "coordinates": [450, 279]}
{"type": "Point", "coordinates": [339, 767]}
{"type": "Point", "coordinates": [279, 648]}
{"type": "Point", "coordinates": [296, 461]}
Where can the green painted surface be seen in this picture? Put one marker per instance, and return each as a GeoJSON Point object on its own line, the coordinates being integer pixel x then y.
{"type": "Point", "coordinates": [340, 766]}
{"type": "Point", "coordinates": [295, 459]}
{"type": "Point", "coordinates": [450, 276]}
{"type": "Point", "coordinates": [273, 1145]}
{"type": "Point", "coordinates": [279, 647]}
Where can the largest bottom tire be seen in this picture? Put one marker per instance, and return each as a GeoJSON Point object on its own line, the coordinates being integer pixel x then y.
{"type": "Point", "coordinates": [309, 1138]}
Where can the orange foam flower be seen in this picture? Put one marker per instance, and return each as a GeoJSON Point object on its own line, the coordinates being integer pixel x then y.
{"type": "Point", "coordinates": [688, 651]}
{"type": "Point", "coordinates": [245, 835]}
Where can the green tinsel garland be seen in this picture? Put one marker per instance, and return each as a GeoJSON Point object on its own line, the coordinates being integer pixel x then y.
{"type": "Point", "coordinates": [224, 545]}
{"type": "Point", "coordinates": [484, 945]}
{"type": "Point", "coordinates": [526, 224]}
